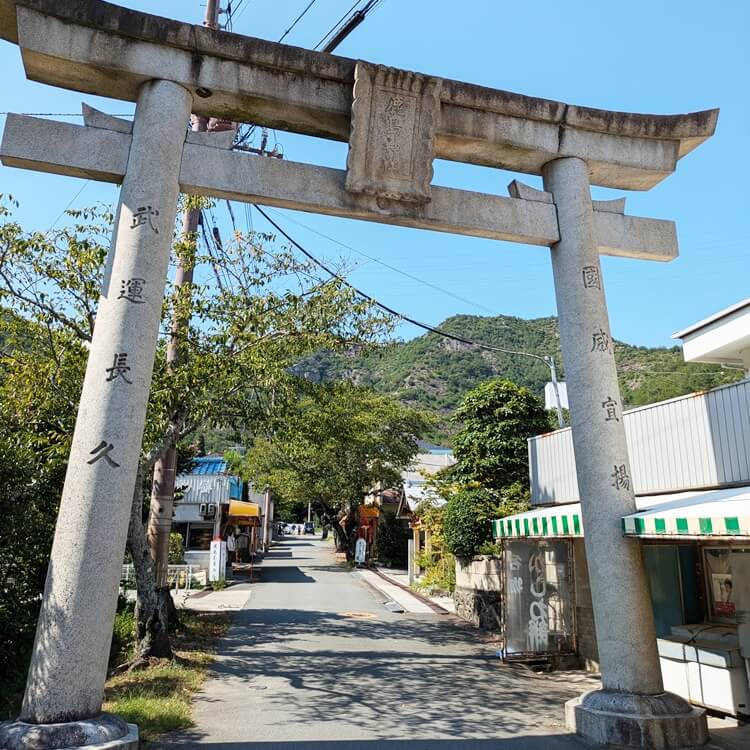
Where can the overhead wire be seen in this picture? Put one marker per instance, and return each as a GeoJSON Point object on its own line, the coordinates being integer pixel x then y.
{"type": "Point", "coordinates": [345, 25]}
{"type": "Point", "coordinates": [337, 24]}
{"type": "Point", "coordinates": [408, 275]}
{"type": "Point", "coordinates": [70, 203]}
{"type": "Point", "coordinates": [240, 9]}
{"type": "Point", "coordinates": [297, 20]}
{"type": "Point", "coordinates": [208, 241]}
{"type": "Point", "coordinates": [387, 308]}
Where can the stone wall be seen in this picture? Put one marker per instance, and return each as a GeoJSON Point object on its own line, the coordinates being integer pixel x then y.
{"type": "Point", "coordinates": [478, 592]}
{"type": "Point", "coordinates": [585, 629]}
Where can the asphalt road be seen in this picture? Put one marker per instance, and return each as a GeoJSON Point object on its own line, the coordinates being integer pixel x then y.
{"type": "Point", "coordinates": [317, 661]}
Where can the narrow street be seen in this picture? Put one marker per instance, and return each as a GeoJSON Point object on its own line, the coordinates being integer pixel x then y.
{"type": "Point", "coordinates": [316, 660]}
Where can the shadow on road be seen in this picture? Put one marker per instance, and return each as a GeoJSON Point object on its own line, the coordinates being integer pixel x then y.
{"type": "Point", "coordinates": [538, 742]}
{"type": "Point", "coordinates": [406, 677]}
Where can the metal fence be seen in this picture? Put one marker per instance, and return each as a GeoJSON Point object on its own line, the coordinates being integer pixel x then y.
{"type": "Point", "coordinates": [179, 577]}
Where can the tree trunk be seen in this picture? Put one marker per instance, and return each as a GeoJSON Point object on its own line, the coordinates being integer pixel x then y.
{"type": "Point", "coordinates": [342, 534]}
{"type": "Point", "coordinates": [164, 595]}
{"type": "Point", "coordinates": [151, 617]}
{"type": "Point", "coordinates": [160, 526]}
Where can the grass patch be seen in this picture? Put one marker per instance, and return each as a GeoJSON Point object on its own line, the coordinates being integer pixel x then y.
{"type": "Point", "coordinates": [157, 697]}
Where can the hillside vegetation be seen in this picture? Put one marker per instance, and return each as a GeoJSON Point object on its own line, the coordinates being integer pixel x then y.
{"type": "Point", "coordinates": [434, 373]}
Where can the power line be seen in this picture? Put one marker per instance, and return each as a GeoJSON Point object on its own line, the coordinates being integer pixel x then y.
{"type": "Point", "coordinates": [394, 268]}
{"type": "Point", "coordinates": [390, 310]}
{"type": "Point", "coordinates": [297, 20]}
{"type": "Point", "coordinates": [345, 25]}
{"type": "Point", "coordinates": [336, 25]}
{"type": "Point", "coordinates": [240, 9]}
{"type": "Point", "coordinates": [72, 201]}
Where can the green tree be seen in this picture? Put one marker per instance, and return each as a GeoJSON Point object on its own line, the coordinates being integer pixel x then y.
{"type": "Point", "coordinates": [341, 443]}
{"type": "Point", "coordinates": [496, 418]}
{"type": "Point", "coordinates": [466, 525]}
{"type": "Point", "coordinates": [490, 478]}
{"type": "Point", "coordinates": [262, 312]}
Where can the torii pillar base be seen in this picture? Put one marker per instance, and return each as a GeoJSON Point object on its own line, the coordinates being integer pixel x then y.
{"type": "Point", "coordinates": [103, 732]}
{"type": "Point", "coordinates": [647, 722]}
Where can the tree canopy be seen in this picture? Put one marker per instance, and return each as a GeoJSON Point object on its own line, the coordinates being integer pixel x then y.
{"type": "Point", "coordinates": [339, 444]}
{"type": "Point", "coordinates": [253, 312]}
{"type": "Point", "coordinates": [496, 418]}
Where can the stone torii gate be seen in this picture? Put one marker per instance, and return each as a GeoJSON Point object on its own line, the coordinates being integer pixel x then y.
{"type": "Point", "coordinates": [395, 122]}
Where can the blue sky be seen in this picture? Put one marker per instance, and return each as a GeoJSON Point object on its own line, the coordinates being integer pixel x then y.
{"type": "Point", "coordinates": [657, 57]}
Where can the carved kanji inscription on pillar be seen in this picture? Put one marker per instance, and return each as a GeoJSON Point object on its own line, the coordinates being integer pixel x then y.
{"type": "Point", "coordinates": [391, 145]}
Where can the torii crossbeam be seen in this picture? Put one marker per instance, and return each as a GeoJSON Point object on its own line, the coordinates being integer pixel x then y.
{"type": "Point", "coordinates": [395, 122]}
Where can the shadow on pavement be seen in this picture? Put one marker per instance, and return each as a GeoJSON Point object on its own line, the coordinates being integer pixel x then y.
{"type": "Point", "coordinates": [283, 574]}
{"type": "Point", "coordinates": [401, 677]}
{"type": "Point", "coordinates": [538, 742]}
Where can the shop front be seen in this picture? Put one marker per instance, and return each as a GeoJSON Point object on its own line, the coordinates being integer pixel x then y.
{"type": "Point", "coordinates": [539, 610]}
{"type": "Point", "coordinates": [242, 520]}
{"type": "Point", "coordinates": [696, 548]}
{"type": "Point", "coordinates": [367, 528]}
{"type": "Point", "coordinates": [697, 552]}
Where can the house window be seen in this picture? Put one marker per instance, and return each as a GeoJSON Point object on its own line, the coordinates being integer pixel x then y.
{"type": "Point", "coordinates": [199, 536]}
{"type": "Point", "coordinates": [182, 530]}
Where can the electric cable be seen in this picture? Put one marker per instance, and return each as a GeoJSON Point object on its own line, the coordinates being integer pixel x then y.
{"type": "Point", "coordinates": [240, 9]}
{"type": "Point", "coordinates": [72, 201]}
{"type": "Point", "coordinates": [337, 24]}
{"type": "Point", "coordinates": [390, 310]}
{"type": "Point", "coordinates": [408, 275]}
{"type": "Point", "coordinates": [297, 20]}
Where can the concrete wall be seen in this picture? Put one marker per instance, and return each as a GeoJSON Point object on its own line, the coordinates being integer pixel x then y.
{"type": "Point", "coordinates": [478, 592]}
{"type": "Point", "coordinates": [585, 629]}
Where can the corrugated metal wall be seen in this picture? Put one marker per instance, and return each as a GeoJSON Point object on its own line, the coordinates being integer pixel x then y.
{"type": "Point", "coordinates": [695, 441]}
{"type": "Point", "coordinates": [204, 488]}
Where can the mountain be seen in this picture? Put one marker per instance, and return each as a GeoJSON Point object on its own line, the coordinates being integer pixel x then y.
{"type": "Point", "coordinates": [434, 373]}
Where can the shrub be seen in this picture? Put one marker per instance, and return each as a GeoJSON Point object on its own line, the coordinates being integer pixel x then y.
{"type": "Point", "coordinates": [439, 575]}
{"type": "Point", "coordinates": [393, 541]}
{"type": "Point", "coordinates": [123, 632]}
{"type": "Point", "coordinates": [176, 549]}
{"type": "Point", "coordinates": [467, 524]}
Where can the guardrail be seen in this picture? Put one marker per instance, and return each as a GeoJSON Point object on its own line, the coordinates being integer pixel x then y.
{"type": "Point", "coordinates": [179, 577]}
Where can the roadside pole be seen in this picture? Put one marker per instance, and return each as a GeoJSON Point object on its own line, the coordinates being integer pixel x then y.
{"type": "Point", "coordinates": [165, 469]}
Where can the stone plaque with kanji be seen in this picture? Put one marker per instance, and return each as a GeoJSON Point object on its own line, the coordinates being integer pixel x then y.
{"type": "Point", "coordinates": [391, 146]}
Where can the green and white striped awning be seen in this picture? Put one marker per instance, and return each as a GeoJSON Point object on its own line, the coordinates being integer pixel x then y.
{"type": "Point", "coordinates": [713, 513]}
{"type": "Point", "coordinates": [688, 515]}
{"type": "Point", "coordinates": [553, 521]}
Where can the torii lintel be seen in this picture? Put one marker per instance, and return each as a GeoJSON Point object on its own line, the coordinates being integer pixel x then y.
{"type": "Point", "coordinates": [83, 45]}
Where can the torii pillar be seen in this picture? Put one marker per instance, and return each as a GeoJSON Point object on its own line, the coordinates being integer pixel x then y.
{"type": "Point", "coordinates": [64, 690]}
{"type": "Point", "coordinates": [632, 707]}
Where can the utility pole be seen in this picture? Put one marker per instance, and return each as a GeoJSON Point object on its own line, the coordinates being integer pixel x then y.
{"type": "Point", "coordinates": [165, 469]}
{"type": "Point", "coordinates": [553, 376]}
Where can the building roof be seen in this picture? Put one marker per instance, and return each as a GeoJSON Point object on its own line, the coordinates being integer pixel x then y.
{"type": "Point", "coordinates": [722, 513]}
{"type": "Point", "coordinates": [425, 447]}
{"type": "Point", "coordinates": [208, 465]}
{"type": "Point", "coordinates": [721, 338]}
{"type": "Point", "coordinates": [712, 319]}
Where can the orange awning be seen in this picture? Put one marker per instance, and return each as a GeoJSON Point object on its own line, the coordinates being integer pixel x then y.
{"type": "Point", "coordinates": [242, 510]}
